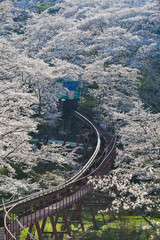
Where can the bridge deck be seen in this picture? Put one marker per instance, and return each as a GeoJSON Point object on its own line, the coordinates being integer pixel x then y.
{"type": "Point", "coordinates": [52, 209]}
{"type": "Point", "coordinates": [56, 207]}
{"type": "Point", "coordinates": [73, 191]}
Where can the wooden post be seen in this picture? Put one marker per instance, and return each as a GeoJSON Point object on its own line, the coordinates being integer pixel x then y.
{"type": "Point", "coordinates": [39, 231]}
{"type": "Point", "coordinates": [66, 223]}
{"type": "Point", "coordinates": [43, 224]}
{"type": "Point", "coordinates": [92, 213]}
{"type": "Point", "coordinates": [30, 230]}
{"type": "Point", "coordinates": [57, 216]}
{"type": "Point", "coordinates": [54, 227]}
{"type": "Point", "coordinates": [79, 216]}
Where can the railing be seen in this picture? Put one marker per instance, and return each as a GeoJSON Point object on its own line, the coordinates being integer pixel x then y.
{"type": "Point", "coordinates": [46, 203]}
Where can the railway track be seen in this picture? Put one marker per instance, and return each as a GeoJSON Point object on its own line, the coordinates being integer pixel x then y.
{"type": "Point", "coordinates": [48, 204]}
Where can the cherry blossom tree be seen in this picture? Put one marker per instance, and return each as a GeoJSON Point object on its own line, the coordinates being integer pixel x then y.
{"type": "Point", "coordinates": [113, 44]}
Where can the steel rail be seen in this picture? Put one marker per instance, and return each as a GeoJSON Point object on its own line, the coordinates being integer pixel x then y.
{"type": "Point", "coordinates": [64, 185]}
{"type": "Point", "coordinates": [92, 158]}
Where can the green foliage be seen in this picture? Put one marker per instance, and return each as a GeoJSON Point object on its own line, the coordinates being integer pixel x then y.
{"type": "Point", "coordinates": [93, 53]}
{"type": "Point", "coordinates": [4, 171]}
{"type": "Point", "coordinates": [143, 83]}
{"type": "Point", "coordinates": [116, 228]}
{"type": "Point", "coordinates": [4, 6]}
{"type": "Point", "coordinates": [124, 228]}
{"type": "Point", "coordinates": [41, 8]}
{"type": "Point", "coordinates": [86, 106]}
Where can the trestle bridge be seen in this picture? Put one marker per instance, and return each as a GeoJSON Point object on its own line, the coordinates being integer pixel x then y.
{"type": "Point", "coordinates": [66, 201]}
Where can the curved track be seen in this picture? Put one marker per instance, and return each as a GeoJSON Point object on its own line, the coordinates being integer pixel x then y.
{"type": "Point", "coordinates": [30, 210]}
